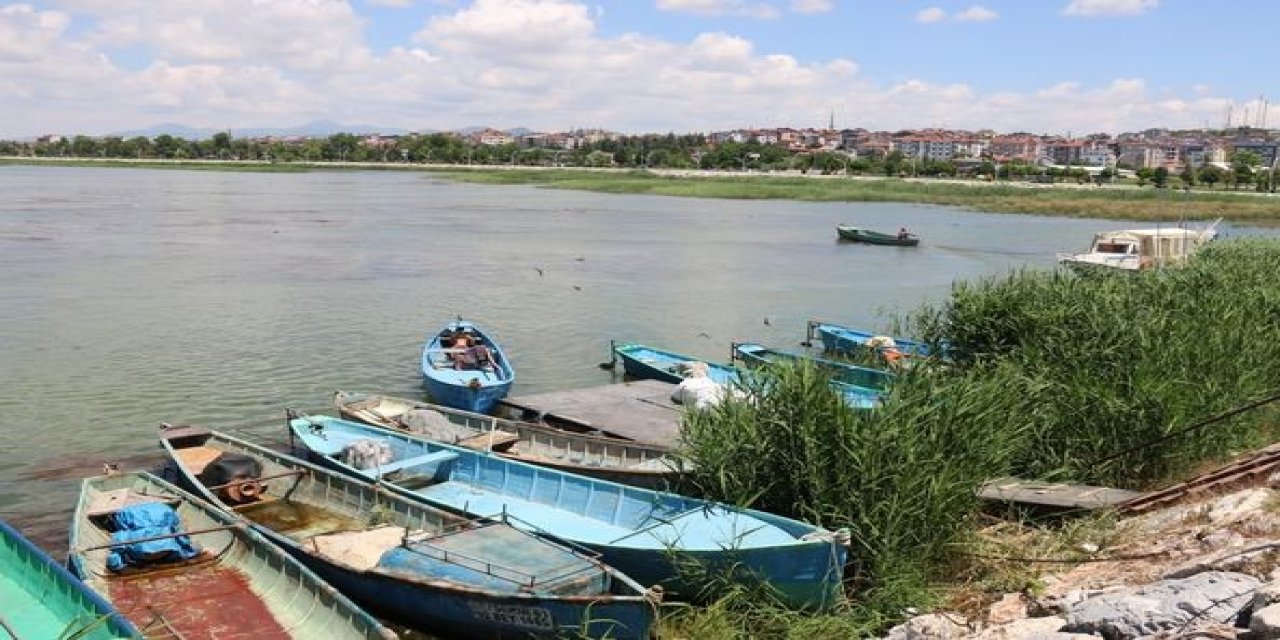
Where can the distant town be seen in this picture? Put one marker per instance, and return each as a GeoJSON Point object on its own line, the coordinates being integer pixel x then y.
{"type": "Point", "coordinates": [1241, 156]}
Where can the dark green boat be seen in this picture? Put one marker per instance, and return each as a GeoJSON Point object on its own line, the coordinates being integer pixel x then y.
{"type": "Point", "coordinates": [858, 234]}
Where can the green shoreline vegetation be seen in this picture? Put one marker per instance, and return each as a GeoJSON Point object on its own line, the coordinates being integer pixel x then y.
{"type": "Point", "coordinates": [1069, 201]}
{"type": "Point", "coordinates": [1052, 376]}
{"type": "Point", "coordinates": [1121, 202]}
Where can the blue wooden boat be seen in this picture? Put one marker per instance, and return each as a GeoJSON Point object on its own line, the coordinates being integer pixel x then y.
{"type": "Point", "coordinates": [41, 599]}
{"type": "Point", "coordinates": [176, 567]}
{"type": "Point", "coordinates": [472, 377]}
{"type": "Point", "coordinates": [838, 339]}
{"type": "Point", "coordinates": [426, 567]}
{"type": "Point", "coordinates": [646, 534]}
{"type": "Point", "coordinates": [640, 361]}
{"type": "Point", "coordinates": [861, 386]}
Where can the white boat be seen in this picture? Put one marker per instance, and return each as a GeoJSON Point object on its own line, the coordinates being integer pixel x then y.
{"type": "Point", "coordinates": [1141, 249]}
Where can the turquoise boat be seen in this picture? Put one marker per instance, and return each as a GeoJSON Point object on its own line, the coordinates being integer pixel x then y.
{"type": "Point", "coordinates": [838, 339]}
{"type": "Point", "coordinates": [41, 599]}
{"type": "Point", "coordinates": [473, 377]}
{"type": "Point", "coordinates": [176, 567]}
{"type": "Point", "coordinates": [640, 361]}
{"type": "Point", "coordinates": [425, 567]}
{"type": "Point", "coordinates": [862, 386]}
{"type": "Point", "coordinates": [648, 535]}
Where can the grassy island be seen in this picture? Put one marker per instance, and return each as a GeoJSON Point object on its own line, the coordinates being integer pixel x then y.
{"type": "Point", "coordinates": [1126, 202]}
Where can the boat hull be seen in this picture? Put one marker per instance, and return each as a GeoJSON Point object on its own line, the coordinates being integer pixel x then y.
{"type": "Point", "coordinates": [838, 339]}
{"type": "Point", "coordinates": [640, 361]}
{"type": "Point", "coordinates": [633, 528]}
{"type": "Point", "coordinates": [475, 389]}
{"type": "Point", "coordinates": [399, 591]}
{"type": "Point", "coordinates": [240, 585]}
{"type": "Point", "coordinates": [601, 457]}
{"type": "Point", "coordinates": [866, 236]}
{"type": "Point", "coordinates": [41, 599]}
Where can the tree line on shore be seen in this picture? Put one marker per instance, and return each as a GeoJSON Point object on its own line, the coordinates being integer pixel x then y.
{"type": "Point", "coordinates": [669, 151]}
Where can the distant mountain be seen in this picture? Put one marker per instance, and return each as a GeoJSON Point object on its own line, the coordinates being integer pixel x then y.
{"type": "Point", "coordinates": [318, 128]}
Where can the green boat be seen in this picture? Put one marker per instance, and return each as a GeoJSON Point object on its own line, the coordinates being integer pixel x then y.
{"type": "Point", "coordinates": [40, 599]}
{"type": "Point", "coordinates": [858, 234]}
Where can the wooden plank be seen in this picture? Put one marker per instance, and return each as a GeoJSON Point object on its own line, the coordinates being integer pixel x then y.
{"type": "Point", "coordinates": [1050, 494]}
{"type": "Point", "coordinates": [490, 441]}
{"type": "Point", "coordinates": [640, 410]}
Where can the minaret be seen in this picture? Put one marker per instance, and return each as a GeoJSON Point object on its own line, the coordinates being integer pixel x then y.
{"type": "Point", "coordinates": [831, 125]}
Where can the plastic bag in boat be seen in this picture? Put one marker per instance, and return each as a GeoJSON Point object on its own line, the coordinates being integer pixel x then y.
{"type": "Point", "coordinates": [367, 453]}
{"type": "Point", "coordinates": [147, 520]}
{"type": "Point", "coordinates": [699, 393]}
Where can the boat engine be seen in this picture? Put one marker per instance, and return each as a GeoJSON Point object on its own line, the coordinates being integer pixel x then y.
{"type": "Point", "coordinates": [234, 478]}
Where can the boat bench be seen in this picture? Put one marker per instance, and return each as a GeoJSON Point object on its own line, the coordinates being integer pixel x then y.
{"type": "Point", "coordinates": [440, 458]}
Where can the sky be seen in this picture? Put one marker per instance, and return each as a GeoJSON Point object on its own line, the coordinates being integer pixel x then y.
{"type": "Point", "coordinates": [1061, 67]}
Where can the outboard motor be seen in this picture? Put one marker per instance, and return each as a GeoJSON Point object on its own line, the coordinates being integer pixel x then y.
{"type": "Point", "coordinates": [235, 476]}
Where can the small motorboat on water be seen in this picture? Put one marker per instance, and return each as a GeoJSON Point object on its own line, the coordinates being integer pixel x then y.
{"type": "Point", "coordinates": [867, 236]}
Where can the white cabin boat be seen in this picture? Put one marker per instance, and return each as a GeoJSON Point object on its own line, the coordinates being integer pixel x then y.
{"type": "Point", "coordinates": [1141, 249]}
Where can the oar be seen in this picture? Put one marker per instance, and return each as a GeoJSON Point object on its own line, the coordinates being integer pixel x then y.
{"type": "Point", "coordinates": [613, 358]}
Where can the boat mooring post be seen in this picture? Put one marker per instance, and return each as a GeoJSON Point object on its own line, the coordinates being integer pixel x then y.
{"type": "Point", "coordinates": [808, 333]}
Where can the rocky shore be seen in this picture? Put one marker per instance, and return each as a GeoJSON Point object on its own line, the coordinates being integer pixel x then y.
{"type": "Point", "coordinates": [1203, 569]}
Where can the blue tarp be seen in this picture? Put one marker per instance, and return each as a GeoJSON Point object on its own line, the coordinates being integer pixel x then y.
{"type": "Point", "coordinates": [148, 521]}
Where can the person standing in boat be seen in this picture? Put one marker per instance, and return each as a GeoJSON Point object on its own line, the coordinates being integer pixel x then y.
{"type": "Point", "coordinates": [903, 234]}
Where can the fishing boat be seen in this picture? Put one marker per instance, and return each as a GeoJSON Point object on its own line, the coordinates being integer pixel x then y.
{"type": "Point", "coordinates": [41, 599]}
{"type": "Point", "coordinates": [428, 568]}
{"type": "Point", "coordinates": [651, 536]}
{"type": "Point", "coordinates": [640, 361]}
{"type": "Point", "coordinates": [862, 386]}
{"type": "Point", "coordinates": [177, 568]}
{"type": "Point", "coordinates": [1140, 249]}
{"type": "Point", "coordinates": [601, 457]}
{"type": "Point", "coordinates": [838, 339]}
{"type": "Point", "coordinates": [867, 236]}
{"type": "Point", "coordinates": [465, 368]}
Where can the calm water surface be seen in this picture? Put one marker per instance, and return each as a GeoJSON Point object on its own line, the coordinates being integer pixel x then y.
{"type": "Point", "coordinates": [132, 297]}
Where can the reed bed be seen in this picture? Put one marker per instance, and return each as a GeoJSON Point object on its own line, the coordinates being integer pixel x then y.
{"type": "Point", "coordinates": [1088, 378]}
{"type": "Point", "coordinates": [1070, 201]}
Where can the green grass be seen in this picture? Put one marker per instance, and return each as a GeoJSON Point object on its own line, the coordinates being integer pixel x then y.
{"type": "Point", "coordinates": [1093, 202]}
{"type": "Point", "coordinates": [1052, 374]}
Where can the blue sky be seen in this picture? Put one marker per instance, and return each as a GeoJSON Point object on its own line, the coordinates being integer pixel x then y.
{"type": "Point", "coordinates": [1053, 66]}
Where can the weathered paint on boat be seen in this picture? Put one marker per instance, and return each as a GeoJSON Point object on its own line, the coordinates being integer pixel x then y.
{"type": "Point", "coordinates": [41, 599]}
{"type": "Point", "coordinates": [858, 234]}
{"type": "Point", "coordinates": [477, 390]}
{"type": "Point", "coordinates": [423, 566]}
{"type": "Point", "coordinates": [838, 339]}
{"type": "Point", "coordinates": [862, 387]}
{"type": "Point", "coordinates": [640, 361]}
{"type": "Point", "coordinates": [240, 586]}
{"type": "Point", "coordinates": [646, 534]}
{"type": "Point", "coordinates": [601, 457]}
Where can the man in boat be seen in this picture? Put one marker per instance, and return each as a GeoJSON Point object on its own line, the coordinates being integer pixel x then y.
{"type": "Point", "coordinates": [467, 353]}
{"type": "Point", "coordinates": [903, 234]}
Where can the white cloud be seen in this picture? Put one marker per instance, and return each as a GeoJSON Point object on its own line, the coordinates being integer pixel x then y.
{"type": "Point", "coordinates": [721, 8]}
{"type": "Point", "coordinates": [543, 64]}
{"type": "Point", "coordinates": [1091, 8]}
{"type": "Point", "coordinates": [977, 13]}
{"type": "Point", "coordinates": [812, 6]}
{"type": "Point", "coordinates": [932, 14]}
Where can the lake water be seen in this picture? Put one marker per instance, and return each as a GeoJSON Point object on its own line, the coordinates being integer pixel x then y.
{"type": "Point", "coordinates": [135, 297]}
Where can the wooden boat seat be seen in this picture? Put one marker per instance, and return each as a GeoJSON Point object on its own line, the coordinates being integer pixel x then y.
{"type": "Point", "coordinates": [196, 459]}
{"type": "Point", "coordinates": [490, 440]}
{"type": "Point", "coordinates": [358, 549]}
{"type": "Point", "coordinates": [108, 502]}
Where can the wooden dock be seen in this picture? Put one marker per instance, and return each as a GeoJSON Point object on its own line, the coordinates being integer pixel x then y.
{"type": "Point", "coordinates": [1053, 495]}
{"type": "Point", "coordinates": [640, 410]}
